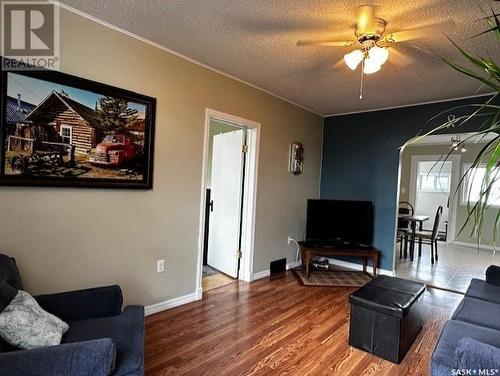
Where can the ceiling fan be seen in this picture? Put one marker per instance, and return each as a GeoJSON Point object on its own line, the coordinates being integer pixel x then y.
{"type": "Point", "coordinates": [372, 42]}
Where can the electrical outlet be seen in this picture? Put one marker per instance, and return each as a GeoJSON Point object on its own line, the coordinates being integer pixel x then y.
{"type": "Point", "coordinates": [290, 240]}
{"type": "Point", "coordinates": [160, 266]}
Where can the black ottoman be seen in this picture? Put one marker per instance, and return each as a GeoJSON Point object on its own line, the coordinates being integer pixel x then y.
{"type": "Point", "coordinates": [386, 316]}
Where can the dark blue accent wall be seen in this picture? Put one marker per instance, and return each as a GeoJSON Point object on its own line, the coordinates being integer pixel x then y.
{"type": "Point", "coordinates": [361, 158]}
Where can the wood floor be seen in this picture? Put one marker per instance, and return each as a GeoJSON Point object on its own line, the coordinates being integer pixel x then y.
{"type": "Point", "coordinates": [277, 327]}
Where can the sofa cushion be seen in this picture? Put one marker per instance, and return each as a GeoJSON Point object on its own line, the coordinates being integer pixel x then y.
{"type": "Point", "coordinates": [493, 275]}
{"type": "Point", "coordinates": [444, 358]}
{"type": "Point", "coordinates": [7, 292]}
{"type": "Point", "coordinates": [89, 358]}
{"type": "Point", "coordinates": [126, 331]}
{"type": "Point", "coordinates": [472, 354]}
{"type": "Point", "coordinates": [482, 290]}
{"type": "Point", "coordinates": [8, 264]}
{"type": "Point", "coordinates": [478, 312]}
{"type": "Point", "coordinates": [24, 324]}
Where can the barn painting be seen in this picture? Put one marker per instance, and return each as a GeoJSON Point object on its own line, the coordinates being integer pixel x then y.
{"type": "Point", "coordinates": [64, 134]}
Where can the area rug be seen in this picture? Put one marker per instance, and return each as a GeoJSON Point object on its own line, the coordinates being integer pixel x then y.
{"type": "Point", "coordinates": [332, 278]}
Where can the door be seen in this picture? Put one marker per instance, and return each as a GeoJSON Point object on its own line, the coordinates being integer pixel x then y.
{"type": "Point", "coordinates": [432, 183]}
{"type": "Point", "coordinates": [226, 193]}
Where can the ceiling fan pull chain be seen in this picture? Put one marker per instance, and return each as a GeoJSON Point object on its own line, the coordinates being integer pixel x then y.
{"type": "Point", "coordinates": [361, 84]}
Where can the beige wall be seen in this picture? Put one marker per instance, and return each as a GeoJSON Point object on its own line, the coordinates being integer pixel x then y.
{"type": "Point", "coordinates": [73, 238]}
{"type": "Point", "coordinates": [467, 157]}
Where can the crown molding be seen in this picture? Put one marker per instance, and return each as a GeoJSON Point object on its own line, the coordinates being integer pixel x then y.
{"type": "Point", "coordinates": [411, 105]}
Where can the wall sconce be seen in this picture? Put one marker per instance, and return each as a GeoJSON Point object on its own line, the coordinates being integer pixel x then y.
{"type": "Point", "coordinates": [296, 158]}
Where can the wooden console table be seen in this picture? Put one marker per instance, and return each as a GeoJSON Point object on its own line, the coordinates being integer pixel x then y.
{"type": "Point", "coordinates": [308, 252]}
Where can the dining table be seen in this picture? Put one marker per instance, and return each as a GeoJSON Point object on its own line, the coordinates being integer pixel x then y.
{"type": "Point", "coordinates": [413, 220]}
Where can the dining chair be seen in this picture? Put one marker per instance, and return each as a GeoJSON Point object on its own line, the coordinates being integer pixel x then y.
{"type": "Point", "coordinates": [430, 237]}
{"type": "Point", "coordinates": [404, 207]}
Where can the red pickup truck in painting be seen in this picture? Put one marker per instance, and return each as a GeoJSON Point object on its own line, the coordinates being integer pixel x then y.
{"type": "Point", "coordinates": [114, 151]}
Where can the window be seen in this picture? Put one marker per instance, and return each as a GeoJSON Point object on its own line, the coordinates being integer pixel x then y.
{"type": "Point", "coordinates": [66, 134]}
{"type": "Point", "coordinates": [472, 185]}
{"type": "Point", "coordinates": [434, 182]}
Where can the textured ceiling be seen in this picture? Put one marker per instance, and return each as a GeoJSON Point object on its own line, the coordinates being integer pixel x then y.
{"type": "Point", "coordinates": [254, 40]}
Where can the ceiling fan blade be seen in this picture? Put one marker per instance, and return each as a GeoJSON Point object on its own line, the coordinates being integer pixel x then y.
{"type": "Point", "coordinates": [420, 32]}
{"type": "Point", "coordinates": [421, 50]}
{"type": "Point", "coordinates": [326, 43]}
{"type": "Point", "coordinates": [340, 64]}
{"type": "Point", "coordinates": [399, 58]}
{"type": "Point", "coordinates": [364, 15]}
{"type": "Point", "coordinates": [322, 67]}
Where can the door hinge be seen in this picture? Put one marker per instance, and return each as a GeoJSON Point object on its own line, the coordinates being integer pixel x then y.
{"type": "Point", "coordinates": [244, 148]}
{"type": "Point", "coordinates": [239, 254]}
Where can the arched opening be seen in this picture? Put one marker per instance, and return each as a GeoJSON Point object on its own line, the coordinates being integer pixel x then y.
{"type": "Point", "coordinates": [437, 248]}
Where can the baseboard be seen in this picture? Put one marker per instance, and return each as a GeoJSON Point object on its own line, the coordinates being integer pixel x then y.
{"type": "Point", "coordinates": [352, 265]}
{"type": "Point", "coordinates": [267, 272]}
{"type": "Point", "coordinates": [171, 303]}
{"type": "Point", "coordinates": [260, 275]}
{"type": "Point", "coordinates": [473, 245]}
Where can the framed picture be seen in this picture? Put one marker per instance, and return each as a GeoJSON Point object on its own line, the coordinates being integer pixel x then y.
{"type": "Point", "coordinates": [61, 130]}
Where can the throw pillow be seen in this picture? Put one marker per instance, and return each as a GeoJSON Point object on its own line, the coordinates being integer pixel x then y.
{"type": "Point", "coordinates": [24, 324]}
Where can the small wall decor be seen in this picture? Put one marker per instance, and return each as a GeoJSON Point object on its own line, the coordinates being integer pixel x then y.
{"type": "Point", "coordinates": [296, 158]}
{"type": "Point", "coordinates": [61, 130]}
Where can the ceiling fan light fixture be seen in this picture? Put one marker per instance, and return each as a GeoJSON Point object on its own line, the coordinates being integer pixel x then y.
{"type": "Point", "coordinates": [370, 66]}
{"type": "Point", "coordinates": [352, 59]}
{"type": "Point", "coordinates": [378, 54]}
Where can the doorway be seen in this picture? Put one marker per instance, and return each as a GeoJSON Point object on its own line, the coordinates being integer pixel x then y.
{"type": "Point", "coordinates": [427, 181]}
{"type": "Point", "coordinates": [228, 200]}
{"type": "Point", "coordinates": [433, 182]}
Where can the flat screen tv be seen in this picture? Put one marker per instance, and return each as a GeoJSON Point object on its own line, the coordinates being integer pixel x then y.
{"type": "Point", "coordinates": [339, 222]}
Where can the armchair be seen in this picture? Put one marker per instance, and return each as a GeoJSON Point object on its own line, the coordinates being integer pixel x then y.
{"type": "Point", "coordinates": [101, 340]}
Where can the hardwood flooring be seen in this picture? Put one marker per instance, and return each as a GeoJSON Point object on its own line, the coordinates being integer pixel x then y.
{"type": "Point", "coordinates": [277, 327]}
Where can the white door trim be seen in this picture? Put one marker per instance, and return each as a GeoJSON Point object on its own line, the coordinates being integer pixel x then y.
{"type": "Point", "coordinates": [249, 194]}
{"type": "Point", "coordinates": [455, 178]}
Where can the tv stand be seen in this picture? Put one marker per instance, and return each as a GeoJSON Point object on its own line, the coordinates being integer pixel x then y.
{"type": "Point", "coordinates": [307, 252]}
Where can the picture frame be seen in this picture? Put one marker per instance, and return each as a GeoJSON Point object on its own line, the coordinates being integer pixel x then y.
{"type": "Point", "coordinates": [59, 130]}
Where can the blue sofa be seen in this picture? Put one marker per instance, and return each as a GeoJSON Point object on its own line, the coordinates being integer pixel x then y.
{"type": "Point", "coordinates": [101, 340]}
{"type": "Point", "coordinates": [471, 339]}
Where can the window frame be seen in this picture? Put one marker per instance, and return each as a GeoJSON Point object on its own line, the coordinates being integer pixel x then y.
{"type": "Point", "coordinates": [437, 188]}
{"type": "Point", "coordinates": [465, 183]}
{"type": "Point", "coordinates": [65, 126]}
